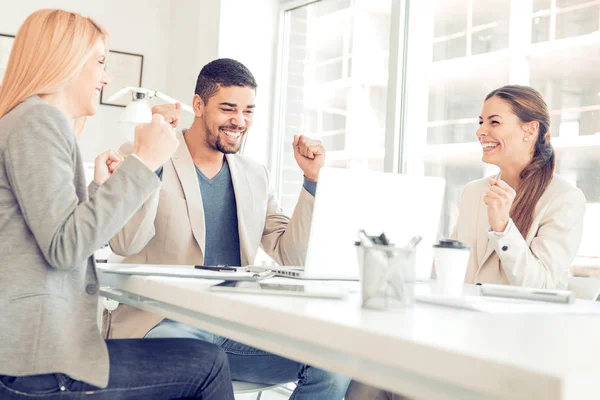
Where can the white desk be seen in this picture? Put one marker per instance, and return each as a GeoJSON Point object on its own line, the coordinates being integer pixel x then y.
{"type": "Point", "coordinates": [426, 352]}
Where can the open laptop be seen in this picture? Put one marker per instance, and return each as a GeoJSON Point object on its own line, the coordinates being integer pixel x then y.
{"type": "Point", "coordinates": [347, 201]}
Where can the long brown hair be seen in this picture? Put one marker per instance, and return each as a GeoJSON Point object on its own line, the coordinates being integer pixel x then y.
{"type": "Point", "coordinates": [529, 105]}
{"type": "Point", "coordinates": [50, 48]}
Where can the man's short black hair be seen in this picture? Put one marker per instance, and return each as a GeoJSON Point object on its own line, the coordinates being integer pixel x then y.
{"type": "Point", "coordinates": [223, 72]}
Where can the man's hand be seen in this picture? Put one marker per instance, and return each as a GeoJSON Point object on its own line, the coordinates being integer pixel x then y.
{"type": "Point", "coordinates": [170, 112]}
{"type": "Point", "coordinates": [310, 156]}
{"type": "Point", "coordinates": [499, 199]}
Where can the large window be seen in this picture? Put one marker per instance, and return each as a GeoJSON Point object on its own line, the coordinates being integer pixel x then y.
{"type": "Point", "coordinates": [335, 72]}
{"type": "Point", "coordinates": [479, 45]}
{"type": "Point", "coordinates": [456, 52]}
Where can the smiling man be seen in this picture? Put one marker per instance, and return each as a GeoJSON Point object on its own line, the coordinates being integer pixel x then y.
{"type": "Point", "coordinates": [216, 207]}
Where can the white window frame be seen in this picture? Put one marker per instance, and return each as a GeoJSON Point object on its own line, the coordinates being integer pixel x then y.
{"type": "Point", "coordinates": [396, 90]}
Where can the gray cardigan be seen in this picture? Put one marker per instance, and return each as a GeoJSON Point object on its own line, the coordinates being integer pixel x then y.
{"type": "Point", "coordinates": [49, 230]}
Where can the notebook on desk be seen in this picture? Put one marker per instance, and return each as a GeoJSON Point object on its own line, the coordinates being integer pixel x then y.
{"type": "Point", "coordinates": [402, 206]}
{"type": "Point", "coordinates": [184, 271]}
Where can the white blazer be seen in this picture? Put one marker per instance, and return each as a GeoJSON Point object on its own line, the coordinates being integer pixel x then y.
{"type": "Point", "coordinates": [542, 258]}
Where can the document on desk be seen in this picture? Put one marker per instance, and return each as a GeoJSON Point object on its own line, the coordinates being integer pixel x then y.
{"type": "Point", "coordinates": [498, 305]}
{"type": "Point", "coordinates": [188, 271]}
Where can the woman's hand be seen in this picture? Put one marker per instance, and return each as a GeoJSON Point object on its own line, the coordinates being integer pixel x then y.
{"type": "Point", "coordinates": [499, 199]}
{"type": "Point", "coordinates": [105, 165]}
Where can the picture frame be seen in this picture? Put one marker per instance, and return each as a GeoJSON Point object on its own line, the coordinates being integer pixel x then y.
{"type": "Point", "coordinates": [124, 69]}
{"type": "Point", "coordinates": [6, 42]}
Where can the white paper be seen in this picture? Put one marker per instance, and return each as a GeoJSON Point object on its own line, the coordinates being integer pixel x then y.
{"type": "Point", "coordinates": [498, 305]}
{"type": "Point", "coordinates": [185, 272]}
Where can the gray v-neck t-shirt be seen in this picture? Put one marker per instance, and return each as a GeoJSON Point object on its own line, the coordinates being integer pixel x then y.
{"type": "Point", "coordinates": [222, 238]}
{"type": "Point", "coordinates": [222, 245]}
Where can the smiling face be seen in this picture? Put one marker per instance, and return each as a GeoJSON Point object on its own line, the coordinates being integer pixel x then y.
{"type": "Point", "coordinates": [501, 134]}
{"type": "Point", "coordinates": [226, 117]}
{"type": "Point", "coordinates": [84, 89]}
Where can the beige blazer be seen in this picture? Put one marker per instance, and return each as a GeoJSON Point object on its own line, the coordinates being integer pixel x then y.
{"type": "Point", "coordinates": [169, 228]}
{"type": "Point", "coordinates": [542, 258]}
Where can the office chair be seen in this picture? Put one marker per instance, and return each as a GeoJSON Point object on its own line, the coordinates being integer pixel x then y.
{"type": "Point", "coordinates": [240, 387]}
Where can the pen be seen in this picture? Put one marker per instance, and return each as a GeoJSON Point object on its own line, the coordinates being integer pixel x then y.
{"type": "Point", "coordinates": [364, 239]}
{"type": "Point", "coordinates": [413, 242]}
{"type": "Point", "coordinates": [217, 268]}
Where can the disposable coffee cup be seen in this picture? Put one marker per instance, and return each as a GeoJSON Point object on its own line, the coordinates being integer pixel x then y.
{"type": "Point", "coordinates": [451, 258]}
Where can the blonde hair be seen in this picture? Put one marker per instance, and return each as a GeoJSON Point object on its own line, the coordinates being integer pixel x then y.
{"type": "Point", "coordinates": [50, 48]}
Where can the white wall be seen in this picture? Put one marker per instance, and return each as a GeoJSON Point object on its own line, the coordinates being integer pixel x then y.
{"type": "Point", "coordinates": [193, 42]}
{"type": "Point", "coordinates": [245, 30]}
{"type": "Point", "coordinates": [248, 33]}
{"type": "Point", "coordinates": [177, 38]}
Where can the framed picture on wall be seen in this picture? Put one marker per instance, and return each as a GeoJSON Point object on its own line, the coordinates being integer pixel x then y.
{"type": "Point", "coordinates": [124, 69]}
{"type": "Point", "coordinates": [6, 42]}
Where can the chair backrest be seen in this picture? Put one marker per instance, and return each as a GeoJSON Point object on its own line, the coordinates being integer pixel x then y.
{"type": "Point", "coordinates": [240, 387]}
{"type": "Point", "coordinates": [585, 288]}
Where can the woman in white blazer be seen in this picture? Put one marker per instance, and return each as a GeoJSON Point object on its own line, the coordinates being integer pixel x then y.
{"type": "Point", "coordinates": [524, 225]}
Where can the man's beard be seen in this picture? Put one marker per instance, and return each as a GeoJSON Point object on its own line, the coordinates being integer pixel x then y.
{"type": "Point", "coordinates": [215, 142]}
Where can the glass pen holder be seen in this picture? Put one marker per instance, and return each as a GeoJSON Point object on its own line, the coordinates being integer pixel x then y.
{"type": "Point", "coordinates": [387, 275]}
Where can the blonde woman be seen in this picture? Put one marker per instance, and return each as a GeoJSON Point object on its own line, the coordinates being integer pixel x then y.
{"type": "Point", "coordinates": [50, 346]}
{"type": "Point", "coordinates": [524, 226]}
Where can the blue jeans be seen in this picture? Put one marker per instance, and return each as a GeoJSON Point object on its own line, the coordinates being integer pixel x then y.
{"type": "Point", "coordinates": [252, 365]}
{"type": "Point", "coordinates": [139, 369]}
